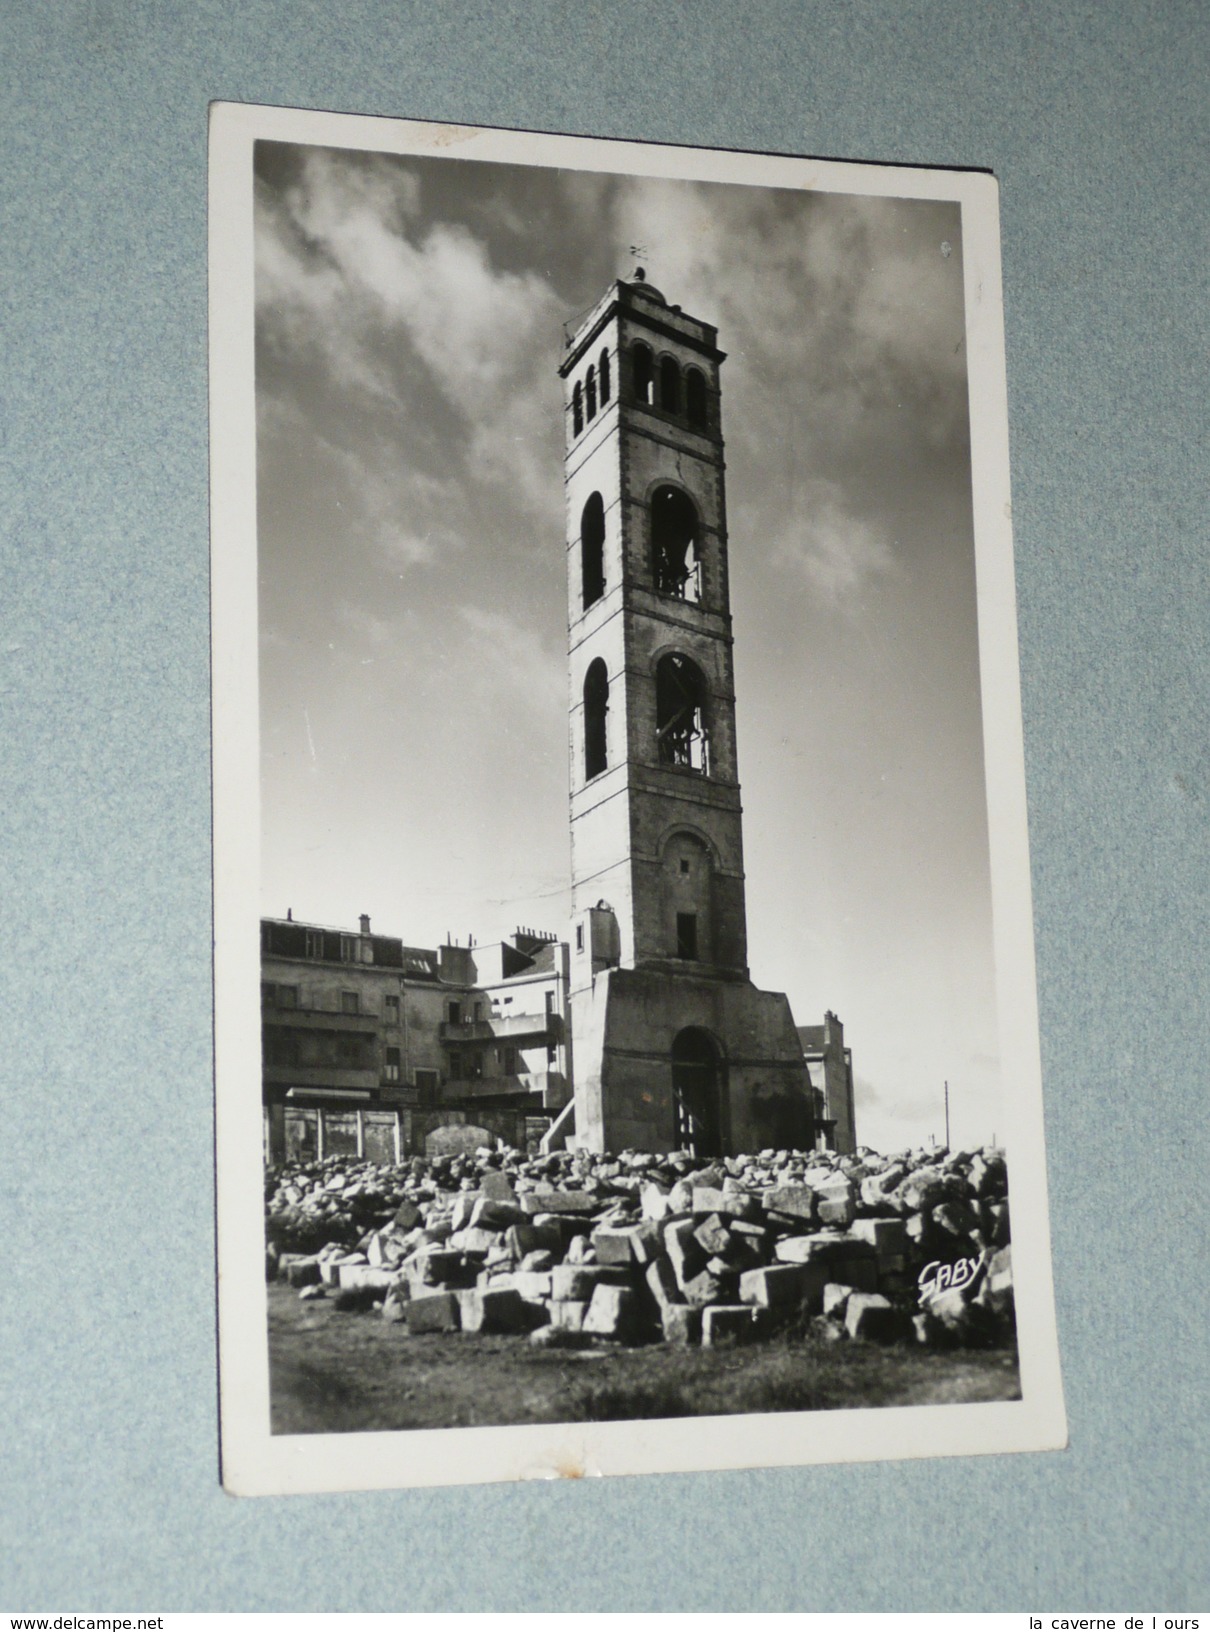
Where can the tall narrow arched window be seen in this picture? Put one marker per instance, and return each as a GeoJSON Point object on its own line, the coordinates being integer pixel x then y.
{"type": "Point", "coordinates": [590, 393]}
{"type": "Point", "coordinates": [695, 398]}
{"type": "Point", "coordinates": [676, 544]}
{"type": "Point", "coordinates": [681, 727]}
{"type": "Point", "coordinates": [592, 550]}
{"type": "Point", "coordinates": [577, 410]}
{"type": "Point", "coordinates": [670, 385]}
{"type": "Point", "coordinates": [603, 376]}
{"type": "Point", "coordinates": [641, 371]}
{"type": "Point", "coordinates": [596, 713]}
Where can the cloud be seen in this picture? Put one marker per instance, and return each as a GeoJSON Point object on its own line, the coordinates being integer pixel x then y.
{"type": "Point", "coordinates": [839, 307]}
{"type": "Point", "coordinates": [837, 551]}
{"type": "Point", "coordinates": [392, 308]}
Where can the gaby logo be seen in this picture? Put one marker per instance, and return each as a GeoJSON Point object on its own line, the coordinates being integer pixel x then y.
{"type": "Point", "coordinates": [938, 1277]}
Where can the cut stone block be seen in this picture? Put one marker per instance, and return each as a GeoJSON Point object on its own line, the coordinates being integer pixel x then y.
{"type": "Point", "coordinates": [614, 1246]}
{"type": "Point", "coordinates": [683, 1250]}
{"type": "Point", "coordinates": [681, 1324]}
{"type": "Point", "coordinates": [836, 1203]}
{"type": "Point", "coordinates": [705, 1288]}
{"type": "Point", "coordinates": [662, 1283]}
{"type": "Point", "coordinates": [567, 1314]}
{"type": "Point", "coordinates": [924, 1188]}
{"type": "Point", "coordinates": [728, 1323]}
{"type": "Point", "coordinates": [821, 1247]}
{"type": "Point", "coordinates": [434, 1312]}
{"type": "Point", "coordinates": [476, 1243]}
{"type": "Point", "coordinates": [463, 1208]}
{"type": "Point", "coordinates": [712, 1235]}
{"type": "Point", "coordinates": [437, 1268]}
{"type": "Point", "coordinates": [654, 1202]}
{"type": "Point", "coordinates": [408, 1216]}
{"type": "Point", "coordinates": [493, 1311]}
{"type": "Point", "coordinates": [533, 1236]}
{"type": "Point", "coordinates": [494, 1215]}
{"type": "Point", "coordinates": [612, 1312]}
{"type": "Point", "coordinates": [793, 1200]}
{"type": "Point", "coordinates": [680, 1198]}
{"type": "Point", "coordinates": [578, 1282]}
{"type": "Point", "coordinates": [835, 1299]}
{"type": "Point", "coordinates": [730, 1202]}
{"type": "Point", "coordinates": [540, 1260]}
{"type": "Point", "coordinates": [497, 1186]}
{"type": "Point", "coordinates": [365, 1277]}
{"type": "Point", "coordinates": [303, 1272]}
{"type": "Point", "coordinates": [870, 1316]}
{"type": "Point", "coordinates": [774, 1286]}
{"type": "Point", "coordinates": [534, 1286]}
{"type": "Point", "coordinates": [559, 1201]}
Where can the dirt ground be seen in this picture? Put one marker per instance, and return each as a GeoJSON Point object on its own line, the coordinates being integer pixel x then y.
{"type": "Point", "coordinates": [336, 1372]}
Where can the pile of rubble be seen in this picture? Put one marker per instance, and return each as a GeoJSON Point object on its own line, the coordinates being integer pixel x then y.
{"type": "Point", "coordinates": [575, 1248]}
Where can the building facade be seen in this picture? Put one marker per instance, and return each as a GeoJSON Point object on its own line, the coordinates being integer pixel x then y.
{"type": "Point", "coordinates": [374, 1048]}
{"type": "Point", "coordinates": [675, 1047]}
{"type": "Point", "coordinates": [830, 1067]}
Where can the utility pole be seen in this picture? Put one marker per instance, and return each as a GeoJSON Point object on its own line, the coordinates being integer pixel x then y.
{"type": "Point", "coordinates": [947, 1114]}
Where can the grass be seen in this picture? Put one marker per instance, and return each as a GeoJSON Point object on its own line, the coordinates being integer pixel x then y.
{"type": "Point", "coordinates": [334, 1372]}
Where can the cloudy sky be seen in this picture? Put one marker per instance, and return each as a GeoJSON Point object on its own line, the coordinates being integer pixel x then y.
{"type": "Point", "coordinates": [413, 619]}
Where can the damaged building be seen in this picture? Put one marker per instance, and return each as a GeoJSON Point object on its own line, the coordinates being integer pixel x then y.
{"type": "Point", "coordinates": [374, 1048]}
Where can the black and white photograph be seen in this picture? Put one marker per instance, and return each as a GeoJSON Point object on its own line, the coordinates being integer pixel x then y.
{"type": "Point", "coordinates": [627, 1052]}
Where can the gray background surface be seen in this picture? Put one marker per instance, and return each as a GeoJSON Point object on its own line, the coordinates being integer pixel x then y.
{"type": "Point", "coordinates": [1093, 118]}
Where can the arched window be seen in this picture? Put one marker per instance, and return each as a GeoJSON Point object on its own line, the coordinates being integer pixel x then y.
{"type": "Point", "coordinates": [676, 544]}
{"type": "Point", "coordinates": [577, 410]}
{"type": "Point", "coordinates": [641, 371]}
{"type": "Point", "coordinates": [596, 712]}
{"type": "Point", "coordinates": [603, 375]}
{"type": "Point", "coordinates": [695, 398]}
{"type": "Point", "coordinates": [670, 385]}
{"type": "Point", "coordinates": [592, 550]}
{"type": "Point", "coordinates": [681, 727]}
{"type": "Point", "coordinates": [697, 1092]}
{"type": "Point", "coordinates": [590, 391]}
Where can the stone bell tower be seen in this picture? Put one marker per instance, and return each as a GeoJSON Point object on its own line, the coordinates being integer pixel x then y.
{"type": "Point", "coordinates": [674, 1047]}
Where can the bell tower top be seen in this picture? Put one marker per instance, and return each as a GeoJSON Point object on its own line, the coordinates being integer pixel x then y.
{"type": "Point", "coordinates": [634, 303]}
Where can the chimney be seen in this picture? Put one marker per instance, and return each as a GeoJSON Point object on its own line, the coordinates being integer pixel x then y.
{"type": "Point", "coordinates": [365, 923]}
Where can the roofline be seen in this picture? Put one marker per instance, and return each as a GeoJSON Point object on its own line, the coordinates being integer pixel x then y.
{"type": "Point", "coordinates": [578, 347]}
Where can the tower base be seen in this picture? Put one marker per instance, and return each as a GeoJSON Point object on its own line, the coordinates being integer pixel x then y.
{"type": "Point", "coordinates": [676, 1061]}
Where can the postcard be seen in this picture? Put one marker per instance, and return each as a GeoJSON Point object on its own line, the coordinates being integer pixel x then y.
{"type": "Point", "coordinates": [626, 1030]}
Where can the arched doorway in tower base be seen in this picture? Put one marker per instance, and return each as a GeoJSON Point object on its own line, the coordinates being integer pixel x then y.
{"type": "Point", "coordinates": [697, 1093]}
